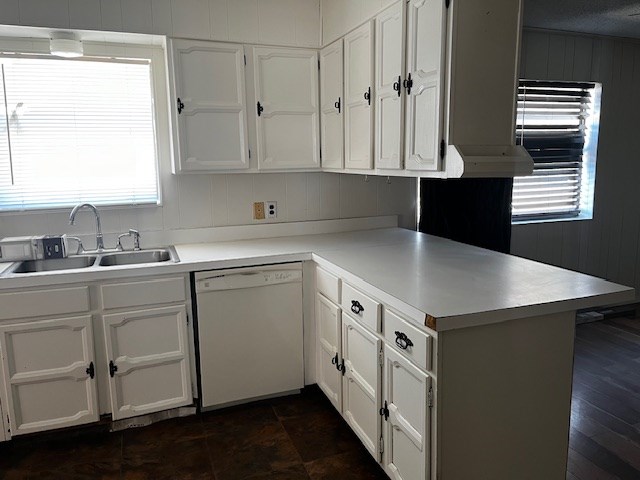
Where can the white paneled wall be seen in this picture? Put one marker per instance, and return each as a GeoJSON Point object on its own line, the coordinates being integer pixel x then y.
{"type": "Point", "coordinates": [279, 22]}
{"type": "Point", "coordinates": [341, 16]}
{"type": "Point", "coordinates": [203, 201]}
{"type": "Point", "coordinates": [609, 245]}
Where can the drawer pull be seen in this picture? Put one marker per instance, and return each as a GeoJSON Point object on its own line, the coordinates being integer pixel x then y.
{"type": "Point", "coordinates": [403, 341]}
{"type": "Point", "coordinates": [356, 307]}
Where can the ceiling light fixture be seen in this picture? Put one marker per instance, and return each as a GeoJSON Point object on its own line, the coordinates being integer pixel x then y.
{"type": "Point", "coordinates": [65, 44]}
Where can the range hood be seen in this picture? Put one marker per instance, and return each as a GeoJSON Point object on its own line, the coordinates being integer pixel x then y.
{"type": "Point", "coordinates": [487, 161]}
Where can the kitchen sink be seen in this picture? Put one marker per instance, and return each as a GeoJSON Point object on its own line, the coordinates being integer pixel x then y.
{"type": "Point", "coordinates": [137, 257]}
{"type": "Point", "coordinates": [33, 266]}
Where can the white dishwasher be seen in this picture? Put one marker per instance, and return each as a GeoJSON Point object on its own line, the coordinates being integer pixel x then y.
{"type": "Point", "coordinates": [250, 333]}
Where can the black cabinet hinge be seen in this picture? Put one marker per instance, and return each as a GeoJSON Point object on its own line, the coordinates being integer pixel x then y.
{"type": "Point", "coordinates": [318, 64]}
{"type": "Point", "coordinates": [384, 411]}
{"type": "Point", "coordinates": [249, 153]}
{"type": "Point", "coordinates": [180, 106]}
{"type": "Point", "coordinates": [447, 3]}
{"type": "Point", "coordinates": [245, 60]}
{"type": "Point", "coordinates": [443, 147]}
{"type": "Point", "coordinates": [260, 109]}
{"type": "Point", "coordinates": [113, 368]}
{"type": "Point", "coordinates": [320, 152]}
{"type": "Point", "coordinates": [91, 370]}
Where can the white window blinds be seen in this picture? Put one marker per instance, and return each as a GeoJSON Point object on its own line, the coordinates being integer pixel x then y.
{"type": "Point", "coordinates": [75, 131]}
{"type": "Point", "coordinates": [557, 122]}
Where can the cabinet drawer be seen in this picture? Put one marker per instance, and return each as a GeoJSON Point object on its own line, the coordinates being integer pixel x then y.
{"type": "Point", "coordinates": [147, 292]}
{"type": "Point", "coordinates": [44, 302]}
{"type": "Point", "coordinates": [361, 307]}
{"type": "Point", "coordinates": [328, 285]}
{"type": "Point", "coordinates": [407, 339]}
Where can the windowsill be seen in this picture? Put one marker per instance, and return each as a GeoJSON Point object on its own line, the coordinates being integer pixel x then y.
{"type": "Point", "coordinates": [585, 216]}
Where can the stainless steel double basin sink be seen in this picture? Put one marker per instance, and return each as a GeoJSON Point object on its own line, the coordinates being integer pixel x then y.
{"type": "Point", "coordinates": [102, 259]}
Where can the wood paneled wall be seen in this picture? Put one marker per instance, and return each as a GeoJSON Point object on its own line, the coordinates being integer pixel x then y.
{"type": "Point", "coordinates": [609, 245]}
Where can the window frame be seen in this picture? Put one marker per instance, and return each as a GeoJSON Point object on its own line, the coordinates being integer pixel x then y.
{"type": "Point", "coordinates": [589, 161]}
{"type": "Point", "coordinates": [155, 54]}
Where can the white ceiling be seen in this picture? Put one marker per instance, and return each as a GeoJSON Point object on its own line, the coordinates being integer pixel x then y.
{"type": "Point", "coordinates": [619, 18]}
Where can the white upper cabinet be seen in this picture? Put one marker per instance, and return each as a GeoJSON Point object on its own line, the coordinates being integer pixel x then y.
{"type": "Point", "coordinates": [208, 106]}
{"type": "Point", "coordinates": [148, 360]}
{"type": "Point", "coordinates": [389, 105]}
{"type": "Point", "coordinates": [331, 105]}
{"type": "Point", "coordinates": [426, 30]}
{"type": "Point", "coordinates": [358, 107]}
{"type": "Point", "coordinates": [286, 110]}
{"type": "Point", "coordinates": [49, 373]}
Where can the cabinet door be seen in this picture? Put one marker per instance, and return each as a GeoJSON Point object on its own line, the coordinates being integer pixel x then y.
{"type": "Point", "coordinates": [208, 106]}
{"type": "Point", "coordinates": [389, 109]}
{"type": "Point", "coordinates": [328, 323]}
{"type": "Point", "coordinates": [286, 92]}
{"type": "Point", "coordinates": [426, 28]}
{"type": "Point", "coordinates": [331, 105]}
{"type": "Point", "coordinates": [361, 384]}
{"type": "Point", "coordinates": [406, 430]}
{"type": "Point", "coordinates": [148, 360]}
{"type": "Point", "coordinates": [49, 374]}
{"type": "Point", "coordinates": [358, 107]}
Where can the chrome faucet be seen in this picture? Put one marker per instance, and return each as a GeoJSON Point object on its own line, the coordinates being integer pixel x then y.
{"type": "Point", "coordinates": [99, 237]}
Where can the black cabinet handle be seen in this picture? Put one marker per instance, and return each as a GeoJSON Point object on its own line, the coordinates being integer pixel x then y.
{"type": "Point", "coordinates": [403, 341]}
{"type": "Point", "coordinates": [397, 85]}
{"type": "Point", "coordinates": [341, 367]}
{"type": "Point", "coordinates": [408, 83]}
{"type": "Point", "coordinates": [180, 106]}
{"type": "Point", "coordinates": [113, 368]}
{"type": "Point", "coordinates": [356, 307]}
{"type": "Point", "coordinates": [384, 411]}
{"type": "Point", "coordinates": [260, 109]}
{"type": "Point", "coordinates": [91, 370]}
{"type": "Point", "coordinates": [367, 95]}
{"type": "Point", "coordinates": [334, 361]}
{"type": "Point", "coordinates": [338, 104]}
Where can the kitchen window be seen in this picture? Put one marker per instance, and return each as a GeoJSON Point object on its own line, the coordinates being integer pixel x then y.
{"type": "Point", "coordinates": [76, 130]}
{"type": "Point", "coordinates": [558, 124]}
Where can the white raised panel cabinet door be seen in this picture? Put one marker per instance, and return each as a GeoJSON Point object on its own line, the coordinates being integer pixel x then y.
{"type": "Point", "coordinates": [328, 322]}
{"type": "Point", "coordinates": [287, 113]}
{"type": "Point", "coordinates": [358, 93]}
{"type": "Point", "coordinates": [148, 360]}
{"type": "Point", "coordinates": [208, 106]}
{"type": "Point", "coordinates": [407, 418]}
{"type": "Point", "coordinates": [49, 374]}
{"type": "Point", "coordinates": [332, 105]}
{"type": "Point", "coordinates": [424, 85]}
{"type": "Point", "coordinates": [389, 109]}
{"type": "Point", "coordinates": [361, 384]}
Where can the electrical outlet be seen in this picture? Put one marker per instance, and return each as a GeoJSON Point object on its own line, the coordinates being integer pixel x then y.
{"type": "Point", "coordinates": [272, 209]}
{"type": "Point", "coordinates": [258, 211]}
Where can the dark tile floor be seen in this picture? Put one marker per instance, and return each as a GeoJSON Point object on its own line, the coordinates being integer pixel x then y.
{"type": "Point", "coordinates": [290, 438]}
{"type": "Point", "coordinates": [303, 437]}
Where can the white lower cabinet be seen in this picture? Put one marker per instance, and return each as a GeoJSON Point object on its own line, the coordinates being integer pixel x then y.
{"type": "Point", "coordinates": [49, 372]}
{"type": "Point", "coordinates": [68, 355]}
{"type": "Point", "coordinates": [148, 360]}
{"type": "Point", "coordinates": [379, 378]}
{"type": "Point", "coordinates": [361, 384]}
{"type": "Point", "coordinates": [406, 413]}
{"type": "Point", "coordinates": [329, 372]}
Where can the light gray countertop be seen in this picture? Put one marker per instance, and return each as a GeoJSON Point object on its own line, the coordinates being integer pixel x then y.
{"type": "Point", "coordinates": [425, 277]}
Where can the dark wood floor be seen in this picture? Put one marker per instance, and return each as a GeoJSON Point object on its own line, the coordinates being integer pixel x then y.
{"type": "Point", "coordinates": [303, 437]}
{"type": "Point", "coordinates": [605, 413]}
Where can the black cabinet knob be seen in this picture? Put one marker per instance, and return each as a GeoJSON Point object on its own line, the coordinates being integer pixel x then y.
{"type": "Point", "coordinates": [356, 307]}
